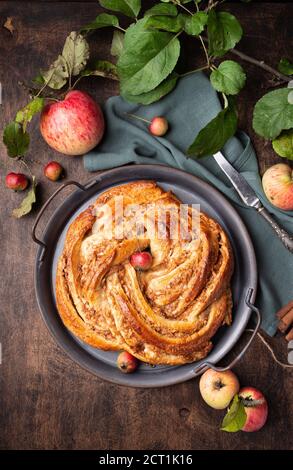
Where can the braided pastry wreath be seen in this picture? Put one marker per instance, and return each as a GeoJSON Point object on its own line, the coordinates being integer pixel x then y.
{"type": "Point", "coordinates": [164, 315]}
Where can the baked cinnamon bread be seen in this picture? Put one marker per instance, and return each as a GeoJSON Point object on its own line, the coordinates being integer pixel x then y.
{"type": "Point", "coordinates": [164, 315]}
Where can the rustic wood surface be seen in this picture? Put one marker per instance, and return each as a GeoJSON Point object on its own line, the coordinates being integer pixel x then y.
{"type": "Point", "coordinates": [47, 401]}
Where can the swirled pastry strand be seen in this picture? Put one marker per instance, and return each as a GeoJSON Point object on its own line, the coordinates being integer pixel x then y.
{"type": "Point", "coordinates": [165, 315]}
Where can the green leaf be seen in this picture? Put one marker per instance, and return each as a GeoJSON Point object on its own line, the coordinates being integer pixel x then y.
{"type": "Point", "coordinates": [182, 1]}
{"type": "Point", "coordinates": [73, 60]}
{"type": "Point", "coordinates": [154, 95]}
{"type": "Point", "coordinates": [117, 43]}
{"type": "Point", "coordinates": [102, 68]}
{"type": "Point", "coordinates": [285, 67]}
{"type": "Point", "coordinates": [127, 7]}
{"type": "Point", "coordinates": [102, 21]}
{"type": "Point", "coordinates": [38, 80]}
{"type": "Point", "coordinates": [57, 75]}
{"type": "Point", "coordinates": [27, 203]}
{"type": "Point", "coordinates": [273, 113]}
{"type": "Point", "coordinates": [235, 417]}
{"type": "Point", "coordinates": [148, 57]}
{"type": "Point", "coordinates": [167, 23]}
{"type": "Point", "coordinates": [215, 134]}
{"type": "Point", "coordinates": [194, 25]}
{"type": "Point", "coordinates": [76, 53]}
{"type": "Point", "coordinates": [224, 31]}
{"type": "Point", "coordinates": [159, 9]}
{"type": "Point", "coordinates": [15, 139]}
{"type": "Point", "coordinates": [25, 115]}
{"type": "Point", "coordinates": [283, 145]}
{"type": "Point", "coordinates": [229, 78]}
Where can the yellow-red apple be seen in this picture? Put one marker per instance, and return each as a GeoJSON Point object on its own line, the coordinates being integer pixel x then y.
{"type": "Point", "coordinates": [74, 125]}
{"type": "Point", "coordinates": [256, 408]}
{"type": "Point", "coordinates": [277, 184]}
{"type": "Point", "coordinates": [218, 388]}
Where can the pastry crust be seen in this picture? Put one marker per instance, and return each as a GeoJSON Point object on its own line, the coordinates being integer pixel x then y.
{"type": "Point", "coordinates": [165, 315]}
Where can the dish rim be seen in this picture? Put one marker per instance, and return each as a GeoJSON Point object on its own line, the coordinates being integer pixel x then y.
{"type": "Point", "coordinates": [75, 350]}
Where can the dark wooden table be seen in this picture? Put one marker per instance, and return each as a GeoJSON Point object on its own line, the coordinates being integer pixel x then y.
{"type": "Point", "coordinates": [47, 401]}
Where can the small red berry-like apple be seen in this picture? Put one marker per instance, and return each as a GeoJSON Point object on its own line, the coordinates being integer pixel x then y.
{"type": "Point", "coordinates": [141, 260]}
{"type": "Point", "coordinates": [16, 181]}
{"type": "Point", "coordinates": [126, 362]}
{"type": "Point", "coordinates": [73, 126]}
{"type": "Point", "coordinates": [53, 171]}
{"type": "Point", "coordinates": [158, 126]}
{"type": "Point", "coordinates": [256, 408]}
{"type": "Point", "coordinates": [218, 388]}
{"type": "Point", "coordinates": [277, 184]}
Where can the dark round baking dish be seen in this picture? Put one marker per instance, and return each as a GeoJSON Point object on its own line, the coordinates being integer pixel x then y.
{"type": "Point", "coordinates": [189, 189]}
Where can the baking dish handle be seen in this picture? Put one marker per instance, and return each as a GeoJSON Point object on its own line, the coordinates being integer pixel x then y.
{"type": "Point", "coordinates": [69, 183]}
{"type": "Point", "coordinates": [208, 365]}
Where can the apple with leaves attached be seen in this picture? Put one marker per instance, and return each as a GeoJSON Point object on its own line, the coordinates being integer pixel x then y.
{"type": "Point", "coordinates": [73, 126]}
{"type": "Point", "coordinates": [256, 408]}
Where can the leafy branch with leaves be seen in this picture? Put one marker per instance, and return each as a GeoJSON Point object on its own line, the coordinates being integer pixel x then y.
{"type": "Point", "coordinates": [148, 53]}
{"type": "Point", "coordinates": [52, 84]}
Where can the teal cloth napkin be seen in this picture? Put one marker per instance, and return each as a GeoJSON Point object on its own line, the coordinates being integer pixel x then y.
{"type": "Point", "coordinates": [188, 108]}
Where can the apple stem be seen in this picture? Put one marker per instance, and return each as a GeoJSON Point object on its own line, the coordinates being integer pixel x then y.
{"type": "Point", "coordinates": [138, 117]}
{"type": "Point", "coordinates": [250, 402]}
{"type": "Point", "coordinates": [23, 162]}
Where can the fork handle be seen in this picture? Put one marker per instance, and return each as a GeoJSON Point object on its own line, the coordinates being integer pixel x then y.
{"type": "Point", "coordinates": [282, 234]}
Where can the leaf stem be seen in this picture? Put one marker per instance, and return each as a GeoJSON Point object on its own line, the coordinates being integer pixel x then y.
{"type": "Point", "coordinates": [42, 89]}
{"type": "Point", "coordinates": [183, 7]}
{"type": "Point", "coordinates": [205, 67]}
{"type": "Point", "coordinates": [76, 82]}
{"type": "Point", "coordinates": [226, 103]}
{"type": "Point", "coordinates": [23, 162]}
{"type": "Point", "coordinates": [50, 98]}
{"type": "Point", "coordinates": [212, 5]}
{"type": "Point", "coordinates": [120, 28]}
{"type": "Point", "coordinates": [205, 50]}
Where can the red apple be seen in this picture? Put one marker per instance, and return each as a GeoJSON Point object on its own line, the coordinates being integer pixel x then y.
{"type": "Point", "coordinates": [256, 408]}
{"type": "Point", "coordinates": [141, 260]}
{"type": "Point", "coordinates": [127, 363]}
{"type": "Point", "coordinates": [218, 388]}
{"type": "Point", "coordinates": [53, 171]}
{"type": "Point", "coordinates": [158, 126]}
{"type": "Point", "coordinates": [277, 184]}
{"type": "Point", "coordinates": [73, 126]}
{"type": "Point", "coordinates": [16, 181]}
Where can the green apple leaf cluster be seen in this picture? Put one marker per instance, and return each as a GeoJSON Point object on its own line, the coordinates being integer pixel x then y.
{"type": "Point", "coordinates": [148, 54]}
